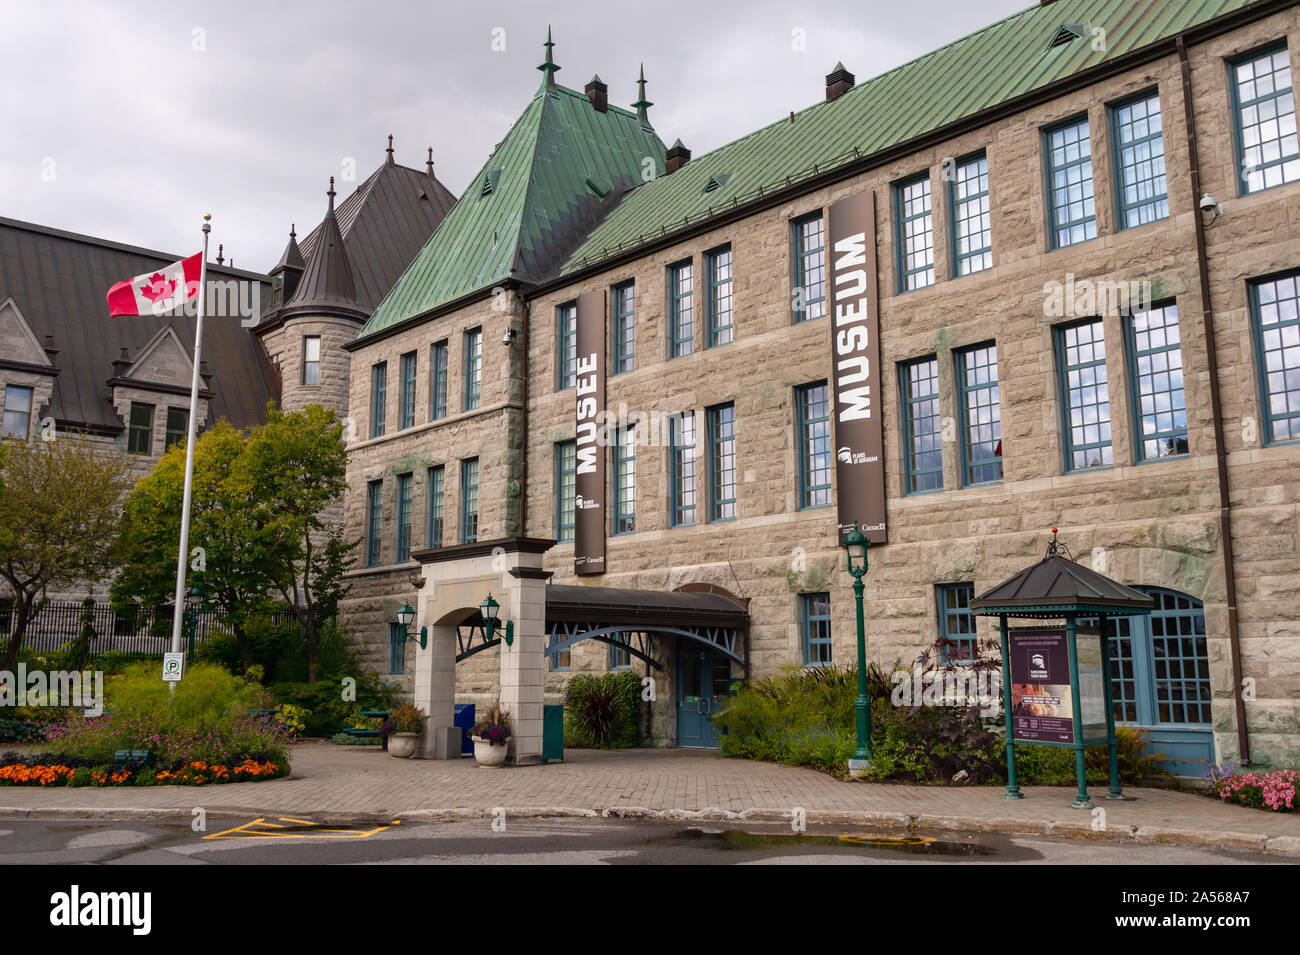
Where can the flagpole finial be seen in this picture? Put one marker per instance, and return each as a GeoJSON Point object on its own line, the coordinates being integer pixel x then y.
{"type": "Point", "coordinates": [207, 222]}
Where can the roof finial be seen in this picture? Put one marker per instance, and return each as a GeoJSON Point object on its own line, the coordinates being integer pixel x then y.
{"type": "Point", "coordinates": [548, 67]}
{"type": "Point", "coordinates": [428, 166]}
{"type": "Point", "coordinates": [642, 104]}
{"type": "Point", "coordinates": [293, 233]}
{"type": "Point", "coordinates": [331, 193]}
{"type": "Point", "coordinates": [220, 260]}
{"type": "Point", "coordinates": [389, 160]}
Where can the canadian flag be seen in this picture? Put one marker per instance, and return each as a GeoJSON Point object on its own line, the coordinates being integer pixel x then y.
{"type": "Point", "coordinates": [157, 292]}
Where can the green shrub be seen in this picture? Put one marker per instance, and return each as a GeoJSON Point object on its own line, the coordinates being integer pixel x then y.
{"type": "Point", "coordinates": [329, 712]}
{"type": "Point", "coordinates": [600, 712]}
{"type": "Point", "coordinates": [280, 649]}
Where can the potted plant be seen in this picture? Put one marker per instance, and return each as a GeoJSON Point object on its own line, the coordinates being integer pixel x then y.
{"type": "Point", "coordinates": [408, 723]}
{"type": "Point", "coordinates": [491, 736]}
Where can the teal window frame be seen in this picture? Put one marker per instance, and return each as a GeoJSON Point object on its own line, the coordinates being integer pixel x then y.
{"type": "Point", "coordinates": [722, 463]}
{"type": "Point", "coordinates": [1070, 192]}
{"type": "Point", "coordinates": [624, 452]}
{"type": "Point", "coordinates": [815, 627]}
{"type": "Point", "coordinates": [178, 427]}
{"type": "Point", "coordinates": [956, 622]}
{"type": "Point", "coordinates": [813, 444]}
{"type": "Point", "coordinates": [682, 471]}
{"type": "Point", "coordinates": [624, 328]}
{"type": "Point", "coordinates": [555, 657]}
{"type": "Point", "coordinates": [1080, 377]}
{"type": "Point", "coordinates": [374, 522]}
{"type": "Point", "coordinates": [1139, 200]}
{"type": "Point", "coordinates": [566, 490]}
{"type": "Point", "coordinates": [438, 382]}
{"type": "Point", "coordinates": [1274, 102]}
{"type": "Point", "coordinates": [409, 366]}
{"type": "Point", "coordinates": [718, 274]}
{"type": "Point", "coordinates": [436, 489]}
{"type": "Point", "coordinates": [979, 410]}
{"type": "Point", "coordinates": [922, 426]}
{"type": "Point", "coordinates": [912, 229]}
{"type": "Point", "coordinates": [967, 206]}
{"type": "Point", "coordinates": [310, 365]}
{"type": "Point", "coordinates": [469, 477]}
{"type": "Point", "coordinates": [1277, 353]}
{"type": "Point", "coordinates": [405, 499]}
{"type": "Point", "coordinates": [378, 399]}
{"type": "Point", "coordinates": [12, 428]}
{"type": "Point", "coordinates": [566, 344]}
{"type": "Point", "coordinates": [473, 369]}
{"type": "Point", "coordinates": [809, 250]}
{"type": "Point", "coordinates": [1157, 393]}
{"type": "Point", "coordinates": [139, 439]}
{"type": "Point", "coordinates": [681, 309]}
{"type": "Point", "coordinates": [396, 649]}
{"type": "Point", "coordinates": [619, 657]}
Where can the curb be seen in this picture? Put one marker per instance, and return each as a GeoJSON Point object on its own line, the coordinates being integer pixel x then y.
{"type": "Point", "coordinates": [1141, 835]}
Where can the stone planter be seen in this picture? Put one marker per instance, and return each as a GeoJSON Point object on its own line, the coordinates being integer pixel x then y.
{"type": "Point", "coordinates": [485, 754]}
{"type": "Point", "coordinates": [402, 745]}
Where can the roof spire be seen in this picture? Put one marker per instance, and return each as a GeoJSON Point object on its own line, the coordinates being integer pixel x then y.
{"type": "Point", "coordinates": [389, 160]}
{"type": "Point", "coordinates": [428, 166]}
{"type": "Point", "coordinates": [331, 194]}
{"type": "Point", "coordinates": [219, 256]}
{"type": "Point", "coordinates": [642, 104]}
{"type": "Point", "coordinates": [548, 67]}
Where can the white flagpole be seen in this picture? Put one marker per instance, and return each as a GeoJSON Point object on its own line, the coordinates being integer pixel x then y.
{"type": "Point", "coordinates": [178, 613]}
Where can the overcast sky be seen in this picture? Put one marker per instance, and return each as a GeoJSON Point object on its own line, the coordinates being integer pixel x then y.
{"type": "Point", "coordinates": [129, 120]}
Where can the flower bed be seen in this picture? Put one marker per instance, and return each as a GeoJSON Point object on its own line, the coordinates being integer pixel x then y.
{"type": "Point", "coordinates": [1274, 790]}
{"type": "Point", "coordinates": [54, 770]}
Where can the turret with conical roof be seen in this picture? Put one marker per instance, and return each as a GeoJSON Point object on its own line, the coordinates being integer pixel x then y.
{"type": "Point", "coordinates": [327, 285]}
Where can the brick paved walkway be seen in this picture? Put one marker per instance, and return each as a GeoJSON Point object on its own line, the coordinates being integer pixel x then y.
{"type": "Point", "coordinates": [343, 780]}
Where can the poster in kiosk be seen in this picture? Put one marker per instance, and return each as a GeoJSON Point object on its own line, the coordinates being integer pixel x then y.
{"type": "Point", "coordinates": [1042, 698]}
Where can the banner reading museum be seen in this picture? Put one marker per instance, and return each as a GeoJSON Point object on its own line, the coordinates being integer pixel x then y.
{"type": "Point", "coordinates": [589, 502]}
{"type": "Point", "coordinates": [855, 350]}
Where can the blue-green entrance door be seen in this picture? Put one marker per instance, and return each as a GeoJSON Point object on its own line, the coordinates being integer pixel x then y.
{"type": "Point", "coordinates": [702, 678]}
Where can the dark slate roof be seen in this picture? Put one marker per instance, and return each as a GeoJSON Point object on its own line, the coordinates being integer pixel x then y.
{"type": "Point", "coordinates": [384, 224]}
{"type": "Point", "coordinates": [952, 84]}
{"type": "Point", "coordinates": [327, 285]}
{"type": "Point", "coordinates": [291, 259]}
{"type": "Point", "coordinates": [59, 281]}
{"type": "Point", "coordinates": [1056, 581]}
{"type": "Point", "coordinates": [614, 605]}
{"type": "Point", "coordinates": [558, 171]}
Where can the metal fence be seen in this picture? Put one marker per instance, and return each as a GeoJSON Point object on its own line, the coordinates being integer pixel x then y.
{"type": "Point", "coordinates": [138, 632]}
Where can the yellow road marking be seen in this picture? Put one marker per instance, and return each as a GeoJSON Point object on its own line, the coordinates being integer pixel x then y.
{"type": "Point", "coordinates": [259, 828]}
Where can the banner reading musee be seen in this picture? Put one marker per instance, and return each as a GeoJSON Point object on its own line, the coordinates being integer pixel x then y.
{"type": "Point", "coordinates": [589, 503]}
{"type": "Point", "coordinates": [855, 349]}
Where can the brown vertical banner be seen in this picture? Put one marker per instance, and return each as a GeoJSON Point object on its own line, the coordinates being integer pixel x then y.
{"type": "Point", "coordinates": [589, 506]}
{"type": "Point", "coordinates": [855, 349]}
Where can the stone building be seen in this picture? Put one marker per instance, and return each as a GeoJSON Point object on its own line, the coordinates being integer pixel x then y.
{"type": "Point", "coordinates": [1072, 241]}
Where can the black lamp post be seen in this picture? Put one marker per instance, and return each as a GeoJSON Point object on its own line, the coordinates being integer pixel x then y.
{"type": "Point", "coordinates": [855, 543]}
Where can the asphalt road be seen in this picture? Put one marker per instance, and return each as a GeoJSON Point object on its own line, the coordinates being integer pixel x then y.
{"type": "Point", "coordinates": [300, 840]}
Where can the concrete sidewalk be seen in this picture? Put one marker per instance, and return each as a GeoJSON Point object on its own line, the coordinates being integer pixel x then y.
{"type": "Point", "coordinates": [355, 781]}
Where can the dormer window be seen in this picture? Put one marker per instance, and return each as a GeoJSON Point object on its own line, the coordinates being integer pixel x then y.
{"type": "Point", "coordinates": [489, 182]}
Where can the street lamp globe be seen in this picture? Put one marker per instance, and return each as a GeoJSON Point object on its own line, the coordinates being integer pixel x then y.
{"type": "Point", "coordinates": [489, 608]}
{"type": "Point", "coordinates": [855, 543]}
{"type": "Point", "coordinates": [405, 615]}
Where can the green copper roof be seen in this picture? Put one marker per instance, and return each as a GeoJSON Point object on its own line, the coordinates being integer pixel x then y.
{"type": "Point", "coordinates": [1013, 57]}
{"type": "Point", "coordinates": [560, 168]}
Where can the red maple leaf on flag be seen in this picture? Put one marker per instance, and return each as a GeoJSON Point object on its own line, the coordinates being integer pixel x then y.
{"type": "Point", "coordinates": [158, 287]}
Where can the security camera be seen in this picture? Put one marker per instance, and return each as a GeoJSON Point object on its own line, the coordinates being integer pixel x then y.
{"type": "Point", "coordinates": [1211, 205]}
{"type": "Point", "coordinates": [509, 336]}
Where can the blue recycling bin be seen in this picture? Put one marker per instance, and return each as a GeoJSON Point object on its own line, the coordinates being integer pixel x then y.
{"type": "Point", "coordinates": [464, 718]}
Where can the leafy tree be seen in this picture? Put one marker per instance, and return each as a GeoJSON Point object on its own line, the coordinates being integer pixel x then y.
{"type": "Point", "coordinates": [60, 509]}
{"type": "Point", "coordinates": [256, 529]}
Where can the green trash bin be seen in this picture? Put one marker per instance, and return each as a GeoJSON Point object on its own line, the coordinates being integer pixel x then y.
{"type": "Point", "coordinates": [552, 733]}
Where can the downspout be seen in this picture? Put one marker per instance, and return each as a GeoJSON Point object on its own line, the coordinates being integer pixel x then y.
{"type": "Point", "coordinates": [1216, 409]}
{"type": "Point", "coordinates": [523, 440]}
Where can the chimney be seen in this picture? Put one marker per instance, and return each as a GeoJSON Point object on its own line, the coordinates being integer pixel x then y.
{"type": "Point", "coordinates": [121, 363]}
{"type": "Point", "coordinates": [838, 82]}
{"type": "Point", "coordinates": [598, 93]}
{"type": "Point", "coordinates": [676, 157]}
